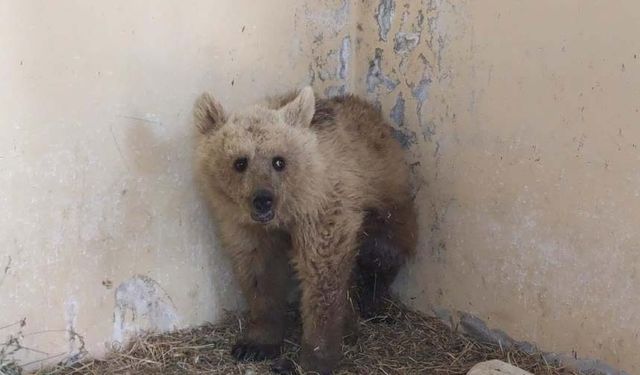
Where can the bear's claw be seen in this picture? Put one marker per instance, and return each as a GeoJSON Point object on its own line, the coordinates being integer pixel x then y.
{"type": "Point", "coordinates": [283, 366]}
{"type": "Point", "coordinates": [247, 351]}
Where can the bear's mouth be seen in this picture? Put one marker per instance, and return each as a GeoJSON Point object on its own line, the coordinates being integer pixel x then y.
{"type": "Point", "coordinates": [263, 217]}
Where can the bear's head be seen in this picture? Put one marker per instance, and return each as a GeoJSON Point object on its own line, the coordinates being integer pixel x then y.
{"type": "Point", "coordinates": [258, 165]}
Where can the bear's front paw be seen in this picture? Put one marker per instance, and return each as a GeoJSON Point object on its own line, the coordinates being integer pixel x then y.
{"type": "Point", "coordinates": [316, 362]}
{"type": "Point", "coordinates": [283, 366]}
{"type": "Point", "coordinates": [248, 351]}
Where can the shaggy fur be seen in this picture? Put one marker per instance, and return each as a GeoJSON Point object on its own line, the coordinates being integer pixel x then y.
{"type": "Point", "coordinates": [341, 213]}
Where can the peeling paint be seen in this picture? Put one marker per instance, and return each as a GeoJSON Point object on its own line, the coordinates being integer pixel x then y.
{"type": "Point", "coordinates": [331, 46]}
{"type": "Point", "coordinates": [397, 112]}
{"type": "Point", "coordinates": [329, 66]}
{"type": "Point", "coordinates": [406, 42]}
{"type": "Point", "coordinates": [384, 17]}
{"type": "Point", "coordinates": [332, 91]}
{"type": "Point", "coordinates": [420, 92]}
{"type": "Point", "coordinates": [150, 308]}
{"type": "Point", "coordinates": [345, 56]}
{"type": "Point", "coordinates": [428, 131]}
{"type": "Point", "coordinates": [404, 18]}
{"type": "Point", "coordinates": [376, 77]}
{"type": "Point", "coordinates": [311, 75]}
{"type": "Point", "coordinates": [419, 21]}
{"type": "Point", "coordinates": [405, 137]}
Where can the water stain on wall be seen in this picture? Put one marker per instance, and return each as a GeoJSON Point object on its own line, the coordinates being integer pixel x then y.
{"type": "Point", "coordinates": [142, 304]}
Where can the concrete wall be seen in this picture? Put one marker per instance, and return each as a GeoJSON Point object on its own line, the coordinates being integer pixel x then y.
{"type": "Point", "coordinates": [524, 119]}
{"type": "Point", "coordinates": [520, 120]}
{"type": "Point", "coordinates": [103, 232]}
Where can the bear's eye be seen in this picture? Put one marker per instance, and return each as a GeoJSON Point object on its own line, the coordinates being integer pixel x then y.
{"type": "Point", "coordinates": [240, 164]}
{"type": "Point", "coordinates": [278, 163]}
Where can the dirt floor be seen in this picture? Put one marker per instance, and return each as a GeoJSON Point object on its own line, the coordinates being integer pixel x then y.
{"type": "Point", "coordinates": [401, 342]}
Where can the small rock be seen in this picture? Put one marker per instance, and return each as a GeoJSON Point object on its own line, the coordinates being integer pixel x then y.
{"type": "Point", "coordinates": [496, 367]}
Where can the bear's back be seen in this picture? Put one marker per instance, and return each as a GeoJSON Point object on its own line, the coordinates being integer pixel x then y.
{"type": "Point", "coordinates": [360, 143]}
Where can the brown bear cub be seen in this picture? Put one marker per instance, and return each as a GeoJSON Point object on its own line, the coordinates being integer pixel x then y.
{"type": "Point", "coordinates": [317, 185]}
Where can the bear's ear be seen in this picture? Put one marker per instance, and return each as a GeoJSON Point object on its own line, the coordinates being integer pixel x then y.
{"type": "Point", "coordinates": [300, 110]}
{"type": "Point", "coordinates": [208, 114]}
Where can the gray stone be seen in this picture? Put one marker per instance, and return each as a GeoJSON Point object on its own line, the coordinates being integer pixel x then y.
{"type": "Point", "coordinates": [496, 367]}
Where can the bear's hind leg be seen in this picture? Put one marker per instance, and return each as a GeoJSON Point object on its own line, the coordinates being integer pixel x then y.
{"type": "Point", "coordinates": [388, 240]}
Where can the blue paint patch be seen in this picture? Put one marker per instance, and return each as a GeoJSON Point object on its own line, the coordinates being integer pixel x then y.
{"type": "Point", "coordinates": [428, 131]}
{"type": "Point", "coordinates": [406, 138]}
{"type": "Point", "coordinates": [421, 93]}
{"type": "Point", "coordinates": [421, 90]}
{"type": "Point", "coordinates": [376, 77]}
{"type": "Point", "coordinates": [345, 55]}
{"type": "Point", "coordinates": [397, 112]}
{"type": "Point", "coordinates": [384, 17]}
{"type": "Point", "coordinates": [406, 42]}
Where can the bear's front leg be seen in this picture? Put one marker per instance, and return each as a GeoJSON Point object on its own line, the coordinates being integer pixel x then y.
{"type": "Point", "coordinates": [260, 262]}
{"type": "Point", "coordinates": [325, 258]}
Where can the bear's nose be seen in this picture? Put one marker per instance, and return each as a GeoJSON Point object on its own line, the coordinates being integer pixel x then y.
{"type": "Point", "coordinates": [262, 201]}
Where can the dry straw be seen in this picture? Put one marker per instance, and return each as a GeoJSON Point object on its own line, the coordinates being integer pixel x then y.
{"type": "Point", "coordinates": [401, 342]}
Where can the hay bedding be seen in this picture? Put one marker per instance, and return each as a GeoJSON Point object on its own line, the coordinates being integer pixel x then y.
{"type": "Point", "coordinates": [401, 342]}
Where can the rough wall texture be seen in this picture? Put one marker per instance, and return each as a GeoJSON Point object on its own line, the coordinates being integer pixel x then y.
{"type": "Point", "coordinates": [103, 231]}
{"type": "Point", "coordinates": [523, 117]}
{"type": "Point", "coordinates": [520, 120]}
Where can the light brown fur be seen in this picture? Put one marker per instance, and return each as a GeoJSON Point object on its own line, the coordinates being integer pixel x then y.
{"type": "Point", "coordinates": [344, 192]}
